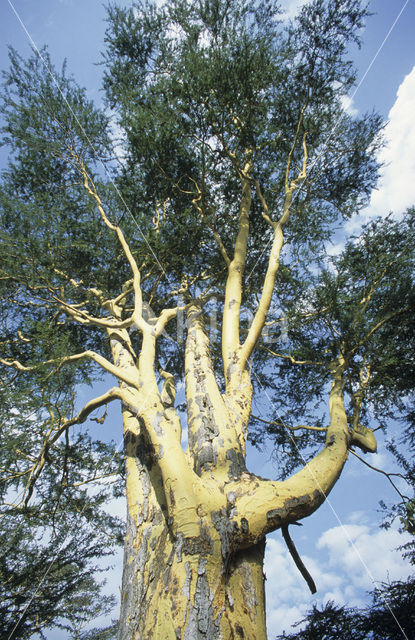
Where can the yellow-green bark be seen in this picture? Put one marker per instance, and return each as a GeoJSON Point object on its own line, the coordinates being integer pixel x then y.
{"type": "Point", "coordinates": [197, 519]}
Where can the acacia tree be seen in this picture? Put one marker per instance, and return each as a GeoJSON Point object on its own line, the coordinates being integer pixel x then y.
{"type": "Point", "coordinates": [232, 143]}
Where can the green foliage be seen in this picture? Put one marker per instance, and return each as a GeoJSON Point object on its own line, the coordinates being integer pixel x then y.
{"type": "Point", "coordinates": [193, 85]}
{"type": "Point", "coordinates": [44, 580]}
{"type": "Point", "coordinates": [391, 615]}
{"type": "Point", "coordinates": [358, 304]}
{"type": "Point", "coordinates": [53, 549]}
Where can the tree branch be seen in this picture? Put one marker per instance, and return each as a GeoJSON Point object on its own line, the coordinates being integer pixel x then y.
{"type": "Point", "coordinates": [84, 318]}
{"type": "Point", "coordinates": [96, 357]}
{"type": "Point", "coordinates": [300, 495]}
{"type": "Point", "coordinates": [196, 200]}
{"type": "Point", "coordinates": [281, 423]}
{"type": "Point", "coordinates": [112, 394]}
{"type": "Point", "coordinates": [294, 361]}
{"type": "Point", "coordinates": [274, 255]}
{"type": "Point", "coordinates": [213, 427]}
{"type": "Point", "coordinates": [388, 475]}
{"type": "Point", "coordinates": [233, 290]}
{"type": "Point", "coordinates": [296, 557]}
{"type": "Point", "coordinates": [138, 302]}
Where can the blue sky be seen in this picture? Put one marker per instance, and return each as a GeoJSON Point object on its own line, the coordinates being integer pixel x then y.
{"type": "Point", "coordinates": [341, 544]}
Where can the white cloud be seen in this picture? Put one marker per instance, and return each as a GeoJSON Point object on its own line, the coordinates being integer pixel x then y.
{"type": "Point", "coordinates": [286, 593]}
{"type": "Point", "coordinates": [334, 249]}
{"type": "Point", "coordinates": [348, 105]}
{"type": "Point", "coordinates": [396, 189]}
{"type": "Point", "coordinates": [343, 563]}
{"type": "Point", "coordinates": [292, 7]}
{"type": "Point", "coordinates": [364, 554]}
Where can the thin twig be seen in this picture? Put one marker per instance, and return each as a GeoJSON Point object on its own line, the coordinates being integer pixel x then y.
{"type": "Point", "coordinates": [388, 475]}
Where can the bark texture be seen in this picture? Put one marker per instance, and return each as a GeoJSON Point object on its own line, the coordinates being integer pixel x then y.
{"type": "Point", "coordinates": [187, 588]}
{"type": "Point", "coordinates": [196, 522]}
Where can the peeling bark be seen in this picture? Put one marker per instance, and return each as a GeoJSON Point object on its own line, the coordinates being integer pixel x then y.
{"type": "Point", "coordinates": [216, 426]}
{"type": "Point", "coordinates": [197, 520]}
{"type": "Point", "coordinates": [187, 588]}
{"type": "Point", "coordinates": [196, 527]}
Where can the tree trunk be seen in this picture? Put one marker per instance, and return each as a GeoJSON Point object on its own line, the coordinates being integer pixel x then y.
{"type": "Point", "coordinates": [196, 523]}
{"type": "Point", "coordinates": [187, 589]}
{"type": "Point", "coordinates": [197, 520]}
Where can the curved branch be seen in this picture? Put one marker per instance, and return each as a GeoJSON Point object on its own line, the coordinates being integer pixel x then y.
{"type": "Point", "coordinates": [266, 296]}
{"type": "Point", "coordinates": [294, 361]}
{"type": "Point", "coordinates": [96, 357]}
{"type": "Point", "coordinates": [164, 318]}
{"type": "Point", "coordinates": [265, 210]}
{"type": "Point", "coordinates": [388, 475]}
{"type": "Point", "coordinates": [112, 394]}
{"type": "Point", "coordinates": [281, 423]}
{"type": "Point", "coordinates": [274, 255]}
{"type": "Point", "coordinates": [213, 228]}
{"type": "Point", "coordinates": [84, 318]}
{"type": "Point", "coordinates": [138, 301]}
{"type": "Point", "coordinates": [300, 495]}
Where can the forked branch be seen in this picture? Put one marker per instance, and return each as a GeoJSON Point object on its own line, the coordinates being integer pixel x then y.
{"type": "Point", "coordinates": [273, 260]}
{"type": "Point", "coordinates": [233, 290]}
{"type": "Point", "coordinates": [138, 301]}
{"type": "Point", "coordinates": [113, 394]}
{"type": "Point", "coordinates": [92, 355]}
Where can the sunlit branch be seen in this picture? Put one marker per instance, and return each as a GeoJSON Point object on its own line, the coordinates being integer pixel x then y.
{"type": "Point", "coordinates": [92, 355]}
{"type": "Point", "coordinates": [78, 283]}
{"type": "Point", "coordinates": [85, 318]}
{"type": "Point", "coordinates": [265, 210]}
{"type": "Point", "coordinates": [357, 398]}
{"type": "Point", "coordinates": [164, 318]}
{"type": "Point", "coordinates": [231, 155]}
{"type": "Point", "coordinates": [294, 144]}
{"type": "Point", "coordinates": [294, 361]}
{"type": "Point", "coordinates": [187, 283]}
{"type": "Point", "coordinates": [197, 202]}
{"type": "Point", "coordinates": [312, 484]}
{"type": "Point", "coordinates": [274, 255]}
{"type": "Point", "coordinates": [95, 478]}
{"type": "Point", "coordinates": [113, 394]}
{"type": "Point", "coordinates": [90, 187]}
{"type": "Point", "coordinates": [233, 289]}
{"type": "Point", "coordinates": [281, 423]}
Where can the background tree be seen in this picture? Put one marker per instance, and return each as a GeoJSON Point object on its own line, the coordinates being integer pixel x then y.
{"type": "Point", "coordinates": [51, 547]}
{"type": "Point", "coordinates": [232, 137]}
{"type": "Point", "coordinates": [391, 603]}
